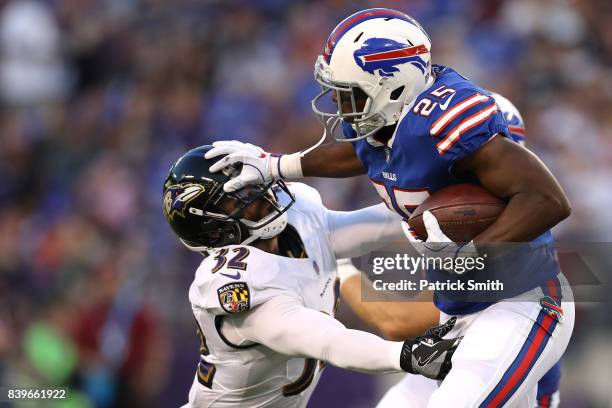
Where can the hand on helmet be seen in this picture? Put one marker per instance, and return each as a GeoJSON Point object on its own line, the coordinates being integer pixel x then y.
{"type": "Point", "coordinates": [258, 166]}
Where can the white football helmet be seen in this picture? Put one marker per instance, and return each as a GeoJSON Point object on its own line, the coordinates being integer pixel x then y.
{"type": "Point", "coordinates": [382, 52]}
{"type": "Point", "coordinates": [513, 117]}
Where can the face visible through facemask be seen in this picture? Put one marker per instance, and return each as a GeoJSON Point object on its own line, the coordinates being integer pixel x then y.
{"type": "Point", "coordinates": [255, 211]}
{"type": "Point", "coordinates": [258, 212]}
{"type": "Point", "coordinates": [346, 103]}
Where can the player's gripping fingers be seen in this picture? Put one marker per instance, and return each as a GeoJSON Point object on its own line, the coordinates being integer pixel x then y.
{"type": "Point", "coordinates": [221, 164]}
{"type": "Point", "coordinates": [236, 146]}
{"type": "Point", "coordinates": [232, 147]}
{"type": "Point", "coordinates": [223, 147]}
{"type": "Point", "coordinates": [234, 143]}
{"type": "Point", "coordinates": [445, 360]}
{"type": "Point", "coordinates": [443, 329]}
{"type": "Point", "coordinates": [233, 185]}
{"type": "Point", "coordinates": [429, 356]}
{"type": "Point", "coordinates": [416, 243]}
{"type": "Point", "coordinates": [434, 232]}
{"type": "Point", "coordinates": [228, 160]}
{"type": "Point", "coordinates": [248, 176]}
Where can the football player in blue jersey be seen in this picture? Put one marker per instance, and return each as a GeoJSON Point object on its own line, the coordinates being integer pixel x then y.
{"type": "Point", "coordinates": [416, 128]}
{"type": "Point", "coordinates": [399, 320]}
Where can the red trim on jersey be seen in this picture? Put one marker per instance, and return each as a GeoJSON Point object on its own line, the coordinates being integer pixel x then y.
{"type": "Point", "coordinates": [451, 115]}
{"type": "Point", "coordinates": [408, 207]}
{"type": "Point", "coordinates": [466, 129]}
{"type": "Point", "coordinates": [380, 183]}
{"type": "Point", "coordinates": [519, 130]}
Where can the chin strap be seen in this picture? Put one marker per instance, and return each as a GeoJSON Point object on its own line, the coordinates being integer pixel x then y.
{"type": "Point", "coordinates": [203, 250]}
{"type": "Point", "coordinates": [249, 240]}
{"type": "Point", "coordinates": [272, 229]}
{"type": "Point", "coordinates": [329, 127]}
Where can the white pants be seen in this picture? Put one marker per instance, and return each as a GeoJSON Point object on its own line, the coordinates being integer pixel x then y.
{"type": "Point", "coordinates": [414, 391]}
{"type": "Point", "coordinates": [506, 349]}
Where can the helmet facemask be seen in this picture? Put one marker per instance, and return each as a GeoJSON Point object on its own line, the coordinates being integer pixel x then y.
{"type": "Point", "coordinates": [204, 216]}
{"type": "Point", "coordinates": [364, 122]}
{"type": "Point", "coordinates": [385, 54]}
{"type": "Point", "coordinates": [271, 224]}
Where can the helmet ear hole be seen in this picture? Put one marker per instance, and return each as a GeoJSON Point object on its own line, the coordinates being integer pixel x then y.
{"type": "Point", "coordinates": [397, 92]}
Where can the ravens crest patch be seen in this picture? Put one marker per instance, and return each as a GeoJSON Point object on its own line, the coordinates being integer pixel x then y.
{"type": "Point", "coordinates": [234, 297]}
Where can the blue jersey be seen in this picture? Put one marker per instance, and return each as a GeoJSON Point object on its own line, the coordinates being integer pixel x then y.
{"type": "Point", "coordinates": [450, 120]}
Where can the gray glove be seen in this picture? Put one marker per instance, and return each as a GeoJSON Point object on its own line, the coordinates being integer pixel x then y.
{"type": "Point", "coordinates": [430, 355]}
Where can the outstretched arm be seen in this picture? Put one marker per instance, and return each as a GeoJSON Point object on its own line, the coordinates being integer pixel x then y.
{"type": "Point", "coordinates": [396, 319]}
{"type": "Point", "coordinates": [356, 233]}
{"type": "Point", "coordinates": [260, 167]}
{"type": "Point", "coordinates": [336, 160]}
{"type": "Point", "coordinates": [317, 335]}
{"type": "Point", "coordinates": [322, 337]}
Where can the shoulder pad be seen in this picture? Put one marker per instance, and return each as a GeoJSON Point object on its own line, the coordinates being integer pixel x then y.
{"type": "Point", "coordinates": [440, 103]}
{"type": "Point", "coordinates": [457, 118]}
{"type": "Point", "coordinates": [459, 108]}
{"type": "Point", "coordinates": [513, 117]}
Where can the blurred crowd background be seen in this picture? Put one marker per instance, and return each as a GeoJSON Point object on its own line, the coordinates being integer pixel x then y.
{"type": "Point", "coordinates": [99, 97]}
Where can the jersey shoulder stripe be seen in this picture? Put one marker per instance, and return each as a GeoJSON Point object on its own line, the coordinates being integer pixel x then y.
{"type": "Point", "coordinates": [518, 130]}
{"type": "Point", "coordinates": [470, 122]}
{"type": "Point", "coordinates": [445, 119]}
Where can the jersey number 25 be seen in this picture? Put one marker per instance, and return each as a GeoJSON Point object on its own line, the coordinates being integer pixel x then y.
{"type": "Point", "coordinates": [402, 200]}
{"type": "Point", "coordinates": [425, 106]}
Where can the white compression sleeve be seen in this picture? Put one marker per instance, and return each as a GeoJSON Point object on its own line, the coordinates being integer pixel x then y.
{"type": "Point", "coordinates": [285, 326]}
{"type": "Point", "coordinates": [356, 233]}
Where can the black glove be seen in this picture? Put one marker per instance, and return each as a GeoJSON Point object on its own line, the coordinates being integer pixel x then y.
{"type": "Point", "coordinates": [430, 355]}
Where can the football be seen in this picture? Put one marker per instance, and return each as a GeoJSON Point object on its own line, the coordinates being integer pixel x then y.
{"type": "Point", "coordinates": [463, 211]}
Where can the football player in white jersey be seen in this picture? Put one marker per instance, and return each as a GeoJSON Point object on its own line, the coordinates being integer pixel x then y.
{"type": "Point", "coordinates": [265, 295]}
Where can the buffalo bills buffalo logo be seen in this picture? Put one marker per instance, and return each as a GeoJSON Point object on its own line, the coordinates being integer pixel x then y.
{"type": "Point", "coordinates": [384, 55]}
{"type": "Point", "coordinates": [551, 307]}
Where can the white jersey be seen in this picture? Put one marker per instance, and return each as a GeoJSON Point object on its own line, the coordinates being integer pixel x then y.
{"type": "Point", "coordinates": [243, 298]}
